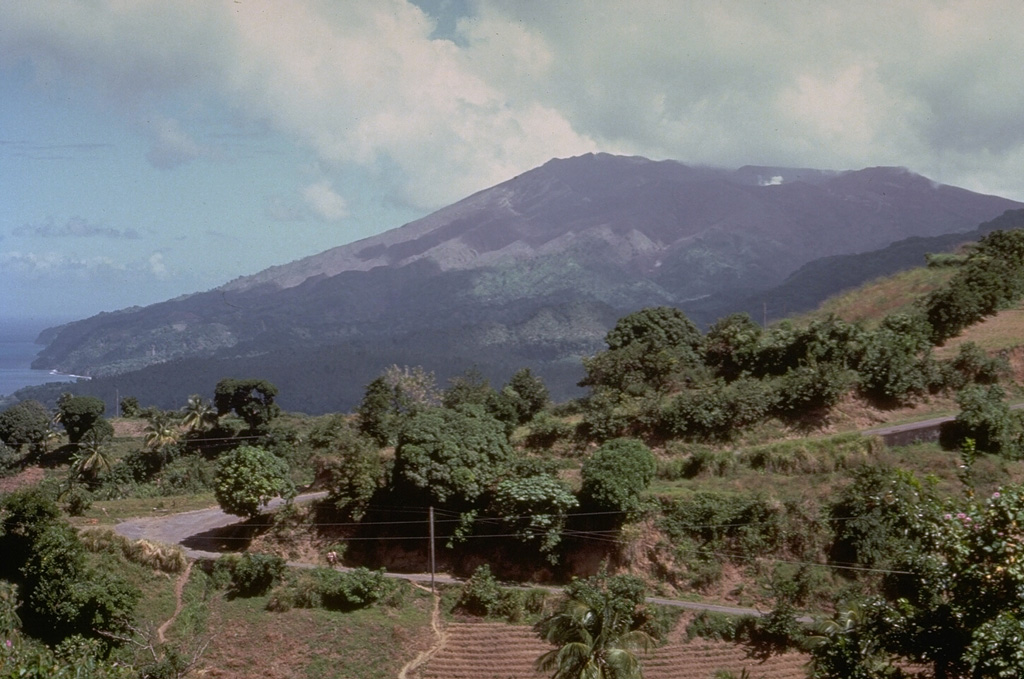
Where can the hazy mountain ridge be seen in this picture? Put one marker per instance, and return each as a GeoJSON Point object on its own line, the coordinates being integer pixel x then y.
{"type": "Point", "coordinates": [533, 270]}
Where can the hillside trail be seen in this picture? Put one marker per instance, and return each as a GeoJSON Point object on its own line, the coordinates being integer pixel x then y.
{"type": "Point", "coordinates": [439, 632]}
{"type": "Point", "coordinates": [179, 587]}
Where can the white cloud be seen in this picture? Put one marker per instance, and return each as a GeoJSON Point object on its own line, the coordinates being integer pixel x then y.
{"type": "Point", "coordinates": [926, 84]}
{"type": "Point", "coordinates": [325, 203]}
{"type": "Point", "coordinates": [33, 265]}
{"type": "Point", "coordinates": [171, 145]}
{"type": "Point", "coordinates": [74, 227]}
{"type": "Point", "coordinates": [157, 267]}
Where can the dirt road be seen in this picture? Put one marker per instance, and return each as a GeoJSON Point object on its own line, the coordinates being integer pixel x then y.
{"type": "Point", "coordinates": [188, 529]}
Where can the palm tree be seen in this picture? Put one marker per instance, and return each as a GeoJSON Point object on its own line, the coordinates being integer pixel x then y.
{"type": "Point", "coordinates": [160, 433]}
{"type": "Point", "coordinates": [592, 643]}
{"type": "Point", "coordinates": [841, 648]}
{"type": "Point", "coordinates": [92, 457]}
{"type": "Point", "coordinates": [198, 413]}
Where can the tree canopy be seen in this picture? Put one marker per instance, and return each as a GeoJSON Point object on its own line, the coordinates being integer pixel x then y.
{"type": "Point", "coordinates": [26, 423]}
{"type": "Point", "coordinates": [951, 599]}
{"type": "Point", "coordinates": [250, 399]}
{"type": "Point", "coordinates": [79, 414]}
{"type": "Point", "coordinates": [616, 475]}
{"type": "Point", "coordinates": [451, 457]}
{"type": "Point", "coordinates": [247, 478]}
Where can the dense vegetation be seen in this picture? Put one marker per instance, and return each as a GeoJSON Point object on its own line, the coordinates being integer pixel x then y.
{"type": "Point", "coordinates": [671, 443]}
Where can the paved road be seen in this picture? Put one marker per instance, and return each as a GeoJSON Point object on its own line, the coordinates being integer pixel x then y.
{"type": "Point", "coordinates": [195, 529]}
{"type": "Point", "coordinates": [189, 528]}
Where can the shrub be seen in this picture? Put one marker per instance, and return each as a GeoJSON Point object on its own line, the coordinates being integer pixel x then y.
{"type": "Point", "coordinates": [971, 365]}
{"type": "Point", "coordinates": [713, 626]}
{"type": "Point", "coordinates": [10, 460]}
{"type": "Point", "coordinates": [810, 388]}
{"type": "Point", "coordinates": [334, 590]}
{"type": "Point", "coordinates": [986, 417]}
{"type": "Point", "coordinates": [718, 411]}
{"type": "Point", "coordinates": [254, 574]}
{"type": "Point", "coordinates": [480, 594]}
{"type": "Point", "coordinates": [771, 634]}
{"type": "Point", "coordinates": [616, 475]}
{"type": "Point", "coordinates": [77, 500]}
{"type": "Point", "coordinates": [708, 461]}
{"type": "Point", "coordinates": [547, 430]}
{"type": "Point", "coordinates": [707, 523]}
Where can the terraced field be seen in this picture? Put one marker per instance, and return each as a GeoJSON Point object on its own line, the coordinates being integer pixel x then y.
{"type": "Point", "coordinates": [499, 651]}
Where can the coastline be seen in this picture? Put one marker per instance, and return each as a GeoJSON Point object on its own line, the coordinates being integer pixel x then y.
{"type": "Point", "coordinates": [18, 349]}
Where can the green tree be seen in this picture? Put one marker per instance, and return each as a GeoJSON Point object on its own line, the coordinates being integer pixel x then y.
{"type": "Point", "coordinates": [160, 433]}
{"type": "Point", "coordinates": [953, 602]}
{"type": "Point", "coordinates": [896, 363]}
{"type": "Point", "coordinates": [250, 399]}
{"type": "Point", "coordinates": [536, 507]}
{"type": "Point", "coordinates": [841, 648]}
{"type": "Point", "coordinates": [985, 417]}
{"type": "Point", "coordinates": [130, 406]}
{"type": "Point", "coordinates": [198, 414]}
{"type": "Point", "coordinates": [469, 388]}
{"type": "Point", "coordinates": [616, 475]}
{"type": "Point", "coordinates": [26, 423]}
{"type": "Point", "coordinates": [78, 414]}
{"type": "Point", "coordinates": [731, 344]}
{"type": "Point", "coordinates": [647, 350]}
{"type": "Point", "coordinates": [248, 478]}
{"type": "Point", "coordinates": [527, 394]}
{"type": "Point", "coordinates": [595, 635]}
{"type": "Point", "coordinates": [93, 456]}
{"type": "Point", "coordinates": [349, 469]}
{"type": "Point", "coordinates": [391, 398]}
{"type": "Point", "coordinates": [61, 595]}
{"type": "Point", "coordinates": [991, 279]}
{"type": "Point", "coordinates": [873, 516]}
{"type": "Point", "coordinates": [450, 457]}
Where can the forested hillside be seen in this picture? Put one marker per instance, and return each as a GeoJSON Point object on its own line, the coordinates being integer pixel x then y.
{"type": "Point", "coordinates": [698, 465]}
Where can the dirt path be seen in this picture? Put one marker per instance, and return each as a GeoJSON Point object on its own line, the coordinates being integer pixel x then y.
{"type": "Point", "coordinates": [179, 587]}
{"type": "Point", "coordinates": [442, 637]}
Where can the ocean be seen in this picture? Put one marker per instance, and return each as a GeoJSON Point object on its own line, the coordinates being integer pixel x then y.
{"type": "Point", "coordinates": [17, 350]}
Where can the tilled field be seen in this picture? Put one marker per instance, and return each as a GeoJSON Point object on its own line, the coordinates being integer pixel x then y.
{"type": "Point", "coordinates": [499, 651]}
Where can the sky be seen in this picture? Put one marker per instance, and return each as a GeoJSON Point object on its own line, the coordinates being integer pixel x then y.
{"type": "Point", "coordinates": [150, 149]}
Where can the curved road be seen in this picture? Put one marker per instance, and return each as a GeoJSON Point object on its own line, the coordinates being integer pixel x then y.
{"type": "Point", "coordinates": [191, 528]}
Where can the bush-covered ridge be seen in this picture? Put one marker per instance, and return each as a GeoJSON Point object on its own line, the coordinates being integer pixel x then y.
{"type": "Point", "coordinates": [551, 491]}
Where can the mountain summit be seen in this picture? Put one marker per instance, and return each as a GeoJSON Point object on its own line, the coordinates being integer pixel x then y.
{"type": "Point", "coordinates": [530, 272]}
{"type": "Point", "coordinates": [643, 215]}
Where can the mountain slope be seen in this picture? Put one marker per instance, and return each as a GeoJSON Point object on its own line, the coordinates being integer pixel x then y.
{"type": "Point", "coordinates": [531, 272]}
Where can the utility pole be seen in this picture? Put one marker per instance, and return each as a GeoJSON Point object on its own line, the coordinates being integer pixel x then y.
{"type": "Point", "coordinates": [431, 549]}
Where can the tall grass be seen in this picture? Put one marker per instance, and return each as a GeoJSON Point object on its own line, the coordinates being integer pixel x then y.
{"type": "Point", "coordinates": [164, 558]}
{"type": "Point", "coordinates": [803, 456]}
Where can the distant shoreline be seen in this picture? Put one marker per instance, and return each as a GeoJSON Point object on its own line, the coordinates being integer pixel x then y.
{"type": "Point", "coordinates": [17, 351]}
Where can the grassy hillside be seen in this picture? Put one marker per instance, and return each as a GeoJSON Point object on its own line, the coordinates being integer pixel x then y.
{"type": "Point", "coordinates": [873, 301]}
